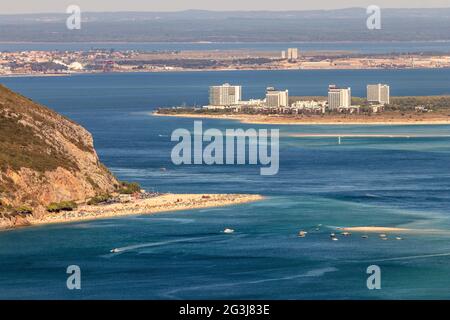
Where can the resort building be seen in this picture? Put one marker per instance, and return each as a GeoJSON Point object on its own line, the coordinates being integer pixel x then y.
{"type": "Point", "coordinates": [378, 93]}
{"type": "Point", "coordinates": [292, 54]}
{"type": "Point", "coordinates": [309, 106]}
{"type": "Point", "coordinates": [276, 98]}
{"type": "Point", "coordinates": [339, 97]}
{"type": "Point", "coordinates": [225, 95]}
{"type": "Point", "coordinates": [253, 102]}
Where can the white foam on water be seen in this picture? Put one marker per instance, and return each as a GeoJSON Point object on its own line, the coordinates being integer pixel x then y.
{"type": "Point", "coordinates": [155, 244]}
{"type": "Point", "coordinates": [413, 257]}
{"type": "Point", "coordinates": [309, 274]}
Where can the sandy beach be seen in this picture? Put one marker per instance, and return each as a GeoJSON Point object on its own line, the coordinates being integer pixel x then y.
{"type": "Point", "coordinates": [319, 120]}
{"type": "Point", "coordinates": [163, 203]}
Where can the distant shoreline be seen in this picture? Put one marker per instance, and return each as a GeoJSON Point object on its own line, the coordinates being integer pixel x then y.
{"type": "Point", "coordinates": [285, 120]}
{"type": "Point", "coordinates": [347, 68]}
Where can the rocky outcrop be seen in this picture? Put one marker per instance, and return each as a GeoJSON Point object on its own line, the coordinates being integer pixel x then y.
{"type": "Point", "coordinates": [45, 157]}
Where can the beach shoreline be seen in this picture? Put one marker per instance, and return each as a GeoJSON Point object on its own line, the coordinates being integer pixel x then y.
{"type": "Point", "coordinates": [159, 204]}
{"type": "Point", "coordinates": [280, 120]}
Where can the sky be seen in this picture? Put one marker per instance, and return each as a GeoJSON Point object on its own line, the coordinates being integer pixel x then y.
{"type": "Point", "coordinates": [39, 6]}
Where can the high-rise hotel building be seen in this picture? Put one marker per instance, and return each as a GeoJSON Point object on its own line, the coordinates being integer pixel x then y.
{"type": "Point", "coordinates": [379, 93]}
{"type": "Point", "coordinates": [276, 98]}
{"type": "Point", "coordinates": [339, 97]}
{"type": "Point", "coordinates": [225, 95]}
{"type": "Point", "coordinates": [292, 53]}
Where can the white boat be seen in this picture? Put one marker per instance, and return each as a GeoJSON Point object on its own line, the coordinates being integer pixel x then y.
{"type": "Point", "coordinates": [364, 237]}
{"type": "Point", "coordinates": [398, 238]}
{"type": "Point", "coordinates": [383, 235]}
{"type": "Point", "coordinates": [227, 230]}
{"type": "Point", "coordinates": [346, 234]}
{"type": "Point", "coordinates": [114, 250]}
{"type": "Point", "coordinates": [334, 239]}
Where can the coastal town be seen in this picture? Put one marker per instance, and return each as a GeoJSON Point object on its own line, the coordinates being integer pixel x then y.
{"type": "Point", "coordinates": [59, 62]}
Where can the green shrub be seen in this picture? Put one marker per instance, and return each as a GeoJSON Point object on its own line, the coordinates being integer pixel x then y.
{"type": "Point", "coordinates": [61, 206]}
{"type": "Point", "coordinates": [23, 210]}
{"type": "Point", "coordinates": [129, 187]}
{"type": "Point", "coordinates": [99, 199]}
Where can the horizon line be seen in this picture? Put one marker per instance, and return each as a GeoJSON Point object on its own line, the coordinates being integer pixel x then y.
{"type": "Point", "coordinates": [224, 10]}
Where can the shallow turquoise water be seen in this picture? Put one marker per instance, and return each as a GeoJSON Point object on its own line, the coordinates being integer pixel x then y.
{"type": "Point", "coordinates": [183, 255]}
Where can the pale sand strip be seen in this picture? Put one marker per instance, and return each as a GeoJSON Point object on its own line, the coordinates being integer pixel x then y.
{"type": "Point", "coordinates": [337, 135]}
{"type": "Point", "coordinates": [376, 229]}
{"type": "Point", "coordinates": [163, 203]}
{"type": "Point", "coordinates": [271, 120]}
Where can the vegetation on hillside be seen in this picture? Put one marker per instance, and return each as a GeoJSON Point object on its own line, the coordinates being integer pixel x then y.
{"type": "Point", "coordinates": [62, 206]}
{"type": "Point", "coordinates": [129, 187]}
{"type": "Point", "coordinates": [103, 198]}
{"type": "Point", "coordinates": [21, 147]}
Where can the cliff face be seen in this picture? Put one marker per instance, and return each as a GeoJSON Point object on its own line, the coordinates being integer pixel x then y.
{"type": "Point", "coordinates": [45, 157]}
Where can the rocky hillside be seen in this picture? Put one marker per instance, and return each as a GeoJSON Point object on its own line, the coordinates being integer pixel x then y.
{"type": "Point", "coordinates": [45, 158]}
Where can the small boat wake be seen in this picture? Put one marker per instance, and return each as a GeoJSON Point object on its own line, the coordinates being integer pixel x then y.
{"type": "Point", "coordinates": [154, 244]}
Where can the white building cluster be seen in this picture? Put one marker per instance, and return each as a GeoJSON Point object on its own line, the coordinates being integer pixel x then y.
{"type": "Point", "coordinates": [228, 96]}
{"type": "Point", "coordinates": [292, 54]}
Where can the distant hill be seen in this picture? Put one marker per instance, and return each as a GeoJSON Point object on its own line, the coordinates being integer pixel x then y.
{"type": "Point", "coordinates": [231, 26]}
{"type": "Point", "coordinates": [45, 157]}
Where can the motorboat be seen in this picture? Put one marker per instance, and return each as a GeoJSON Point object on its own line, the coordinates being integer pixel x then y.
{"type": "Point", "coordinates": [228, 230]}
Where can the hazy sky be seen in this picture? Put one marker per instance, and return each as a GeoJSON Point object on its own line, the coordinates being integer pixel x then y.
{"type": "Point", "coordinates": [33, 6]}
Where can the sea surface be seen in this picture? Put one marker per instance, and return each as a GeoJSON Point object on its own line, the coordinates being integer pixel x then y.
{"type": "Point", "coordinates": [382, 47]}
{"type": "Point", "coordinates": [392, 182]}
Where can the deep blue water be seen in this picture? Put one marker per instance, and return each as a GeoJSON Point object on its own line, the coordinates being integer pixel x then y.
{"type": "Point", "coordinates": [357, 47]}
{"type": "Point", "coordinates": [183, 255]}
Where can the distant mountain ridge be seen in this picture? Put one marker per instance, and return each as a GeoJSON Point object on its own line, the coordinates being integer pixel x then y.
{"type": "Point", "coordinates": [230, 26]}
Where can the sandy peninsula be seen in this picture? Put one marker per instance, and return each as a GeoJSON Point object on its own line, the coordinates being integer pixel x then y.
{"type": "Point", "coordinates": [344, 119]}
{"type": "Point", "coordinates": [345, 135]}
{"type": "Point", "coordinates": [162, 203]}
{"type": "Point", "coordinates": [376, 229]}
